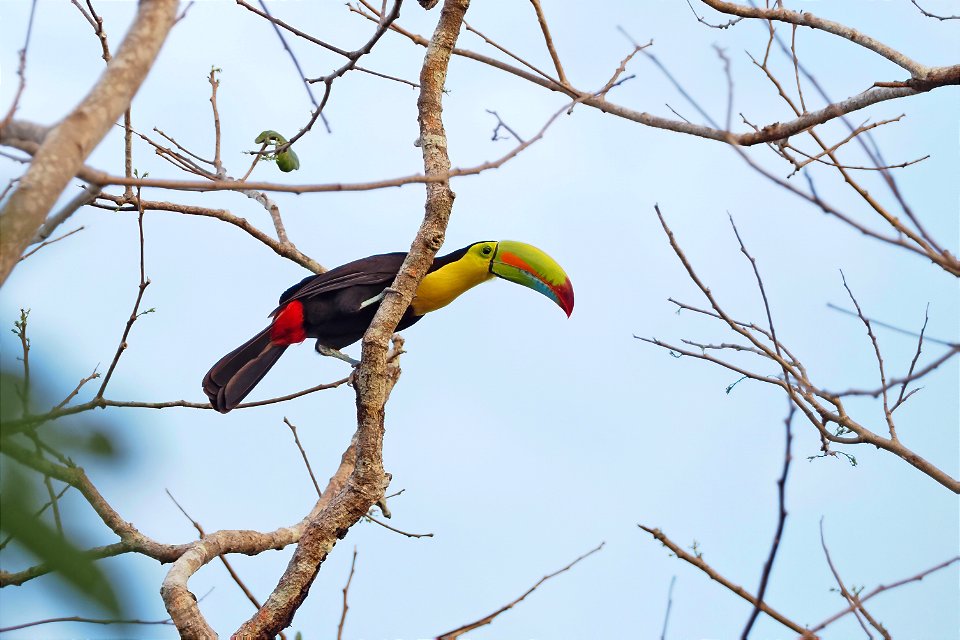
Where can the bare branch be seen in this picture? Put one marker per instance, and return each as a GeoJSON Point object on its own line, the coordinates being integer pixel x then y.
{"type": "Point", "coordinates": [880, 589]}
{"type": "Point", "coordinates": [913, 363]}
{"type": "Point", "coordinates": [85, 197]}
{"type": "Point", "coordinates": [39, 512]}
{"type": "Point", "coordinates": [104, 621]}
{"type": "Point", "coordinates": [29, 132]}
{"type": "Point", "coordinates": [548, 40]}
{"type": "Point", "coordinates": [666, 615]}
{"type": "Point", "coordinates": [876, 350]}
{"type": "Point", "coordinates": [134, 314]}
{"type": "Point", "coordinates": [932, 15]}
{"type": "Point", "coordinates": [293, 58]}
{"type": "Point", "coordinates": [934, 77]}
{"type": "Point", "coordinates": [61, 410]}
{"type": "Point", "coordinates": [807, 19]}
{"type": "Point", "coordinates": [699, 563]}
{"type": "Point", "coordinates": [346, 588]}
{"type": "Point", "coordinates": [852, 598]}
{"type": "Point", "coordinates": [781, 521]}
{"type": "Point", "coordinates": [892, 327]}
{"type": "Point", "coordinates": [306, 460]}
{"type": "Point", "coordinates": [21, 70]}
{"type": "Point", "coordinates": [288, 250]}
{"type": "Point", "coordinates": [383, 524]}
{"type": "Point", "coordinates": [46, 243]}
{"type": "Point", "coordinates": [459, 631]}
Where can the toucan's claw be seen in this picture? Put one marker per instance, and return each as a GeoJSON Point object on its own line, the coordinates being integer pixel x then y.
{"type": "Point", "coordinates": [335, 353]}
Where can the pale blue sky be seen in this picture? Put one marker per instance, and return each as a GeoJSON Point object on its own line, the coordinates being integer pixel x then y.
{"type": "Point", "coordinates": [522, 439]}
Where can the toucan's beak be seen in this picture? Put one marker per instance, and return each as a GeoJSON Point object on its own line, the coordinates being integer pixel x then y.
{"type": "Point", "coordinates": [527, 265]}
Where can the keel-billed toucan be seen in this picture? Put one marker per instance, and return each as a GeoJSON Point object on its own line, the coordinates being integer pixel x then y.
{"type": "Point", "coordinates": [336, 307]}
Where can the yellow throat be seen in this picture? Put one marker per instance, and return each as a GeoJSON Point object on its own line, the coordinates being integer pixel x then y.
{"type": "Point", "coordinates": [441, 287]}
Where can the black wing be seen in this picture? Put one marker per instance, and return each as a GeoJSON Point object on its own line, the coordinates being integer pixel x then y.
{"type": "Point", "coordinates": [373, 270]}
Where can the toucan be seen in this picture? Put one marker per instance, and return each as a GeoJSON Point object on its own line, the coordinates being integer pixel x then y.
{"type": "Point", "coordinates": [337, 306]}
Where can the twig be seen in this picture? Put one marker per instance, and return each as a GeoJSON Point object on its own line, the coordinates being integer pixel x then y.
{"type": "Point", "coordinates": [781, 521]}
{"type": "Point", "coordinates": [85, 197]}
{"type": "Point", "coordinates": [385, 76]}
{"type": "Point", "coordinates": [893, 327]}
{"type": "Point", "coordinates": [288, 251]}
{"type": "Point", "coordinates": [134, 314]}
{"type": "Point", "coordinates": [352, 58]}
{"type": "Point", "coordinates": [853, 134]}
{"type": "Point", "coordinates": [881, 588]}
{"type": "Point", "coordinates": [502, 125]}
{"type": "Point", "coordinates": [796, 67]}
{"type": "Point", "coordinates": [666, 615]}
{"type": "Point", "coordinates": [38, 513]}
{"type": "Point", "coordinates": [272, 208]}
{"type": "Point", "coordinates": [303, 453]}
{"type": "Point", "coordinates": [703, 21]}
{"type": "Point", "coordinates": [395, 530]}
{"type": "Point", "coordinates": [729, 76]}
{"type": "Point", "coordinates": [548, 40]}
{"type": "Point", "coordinates": [214, 85]}
{"type": "Point", "coordinates": [296, 63]}
{"type": "Point", "coordinates": [13, 181]}
{"type": "Point", "coordinates": [104, 179]}
{"type": "Point", "coordinates": [17, 426]}
{"type": "Point", "coordinates": [459, 631]}
{"type": "Point", "coordinates": [933, 15]}
{"type": "Point", "coordinates": [346, 588]}
{"type": "Point", "coordinates": [852, 598]}
{"type": "Point", "coordinates": [96, 21]}
{"type": "Point", "coordinates": [807, 19]}
{"type": "Point", "coordinates": [105, 621]}
{"type": "Point", "coordinates": [21, 70]}
{"type": "Point", "coordinates": [46, 243]}
{"type": "Point", "coordinates": [699, 563]}
{"type": "Point", "coordinates": [293, 30]}
{"type": "Point", "coordinates": [876, 349]}
{"type": "Point", "coordinates": [20, 330]}
{"type": "Point", "coordinates": [869, 147]}
{"type": "Point", "coordinates": [504, 50]}
{"type": "Point", "coordinates": [913, 363]}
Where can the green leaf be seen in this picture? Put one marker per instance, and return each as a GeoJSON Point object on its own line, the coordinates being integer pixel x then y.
{"type": "Point", "coordinates": [288, 161]}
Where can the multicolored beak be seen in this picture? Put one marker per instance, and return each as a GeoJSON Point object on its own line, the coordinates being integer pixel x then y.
{"type": "Point", "coordinates": [525, 264]}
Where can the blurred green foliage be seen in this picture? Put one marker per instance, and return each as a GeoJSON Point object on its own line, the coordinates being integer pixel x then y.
{"type": "Point", "coordinates": [23, 518]}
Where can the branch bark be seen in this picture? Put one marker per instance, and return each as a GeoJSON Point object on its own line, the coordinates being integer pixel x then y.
{"type": "Point", "coordinates": [64, 150]}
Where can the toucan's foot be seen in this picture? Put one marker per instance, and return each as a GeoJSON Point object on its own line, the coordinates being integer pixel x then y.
{"type": "Point", "coordinates": [335, 353]}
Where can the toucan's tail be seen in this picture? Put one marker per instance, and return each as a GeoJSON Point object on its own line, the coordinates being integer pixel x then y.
{"type": "Point", "coordinates": [236, 374]}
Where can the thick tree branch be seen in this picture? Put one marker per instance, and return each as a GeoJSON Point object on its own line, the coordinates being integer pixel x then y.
{"type": "Point", "coordinates": [374, 380]}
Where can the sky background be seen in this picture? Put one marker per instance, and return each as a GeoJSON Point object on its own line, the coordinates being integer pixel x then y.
{"type": "Point", "coordinates": [522, 439]}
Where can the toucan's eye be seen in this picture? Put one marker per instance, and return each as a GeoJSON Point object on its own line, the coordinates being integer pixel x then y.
{"type": "Point", "coordinates": [487, 250]}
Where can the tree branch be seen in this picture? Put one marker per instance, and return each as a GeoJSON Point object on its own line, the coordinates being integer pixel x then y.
{"type": "Point", "coordinates": [374, 379]}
